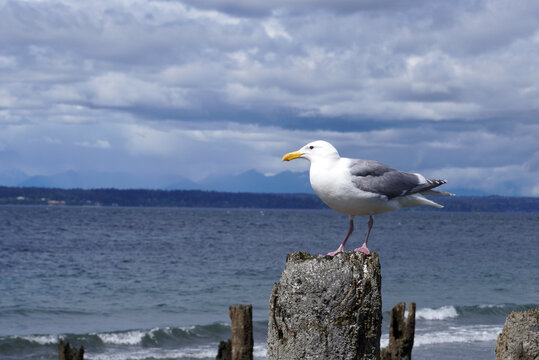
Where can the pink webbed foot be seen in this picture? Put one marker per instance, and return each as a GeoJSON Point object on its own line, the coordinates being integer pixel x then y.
{"type": "Point", "coordinates": [363, 249]}
{"type": "Point", "coordinates": [333, 253]}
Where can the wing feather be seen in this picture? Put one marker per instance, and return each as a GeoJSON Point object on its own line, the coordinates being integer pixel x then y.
{"type": "Point", "coordinates": [375, 177]}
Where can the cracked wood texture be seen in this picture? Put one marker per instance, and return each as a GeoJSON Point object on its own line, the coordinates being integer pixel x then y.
{"type": "Point", "coordinates": [326, 308]}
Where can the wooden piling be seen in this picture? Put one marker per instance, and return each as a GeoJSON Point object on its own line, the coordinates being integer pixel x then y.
{"type": "Point", "coordinates": [225, 351]}
{"type": "Point", "coordinates": [65, 352]}
{"type": "Point", "coordinates": [240, 346]}
{"type": "Point", "coordinates": [401, 333]}
{"type": "Point", "coordinates": [326, 308]}
{"type": "Point", "coordinates": [241, 324]}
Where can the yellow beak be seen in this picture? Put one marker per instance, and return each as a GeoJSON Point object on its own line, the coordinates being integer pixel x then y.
{"type": "Point", "coordinates": [292, 155]}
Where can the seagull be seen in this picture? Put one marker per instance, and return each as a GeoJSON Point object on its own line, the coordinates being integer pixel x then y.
{"type": "Point", "coordinates": [358, 187]}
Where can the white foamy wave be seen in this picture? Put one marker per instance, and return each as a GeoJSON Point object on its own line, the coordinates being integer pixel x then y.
{"type": "Point", "coordinates": [491, 306]}
{"type": "Point", "coordinates": [202, 352]}
{"type": "Point", "coordinates": [457, 334]}
{"type": "Point", "coordinates": [384, 341]}
{"type": "Point", "coordinates": [199, 352]}
{"type": "Point", "coordinates": [461, 334]}
{"type": "Point", "coordinates": [42, 339]}
{"type": "Point", "coordinates": [441, 313]}
{"type": "Point", "coordinates": [260, 351]}
{"type": "Point", "coordinates": [133, 337]}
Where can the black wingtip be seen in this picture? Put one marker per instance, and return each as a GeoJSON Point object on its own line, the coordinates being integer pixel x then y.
{"type": "Point", "coordinates": [436, 182]}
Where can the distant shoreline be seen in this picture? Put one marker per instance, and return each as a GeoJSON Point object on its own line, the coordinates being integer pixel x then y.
{"type": "Point", "coordinates": [214, 199]}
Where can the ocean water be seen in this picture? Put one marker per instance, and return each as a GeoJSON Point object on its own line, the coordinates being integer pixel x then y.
{"type": "Point", "coordinates": [156, 283]}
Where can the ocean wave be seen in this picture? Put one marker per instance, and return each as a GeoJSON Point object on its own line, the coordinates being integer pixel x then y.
{"type": "Point", "coordinates": [494, 309]}
{"type": "Point", "coordinates": [120, 348]}
{"type": "Point", "coordinates": [200, 352]}
{"type": "Point", "coordinates": [461, 334]}
{"type": "Point", "coordinates": [133, 337]}
{"type": "Point", "coordinates": [208, 351]}
{"type": "Point", "coordinates": [453, 334]}
{"type": "Point", "coordinates": [155, 337]}
{"type": "Point", "coordinates": [40, 339]}
{"type": "Point", "coordinates": [165, 335]}
{"type": "Point", "coordinates": [260, 350]}
{"type": "Point", "coordinates": [441, 313]}
{"type": "Point", "coordinates": [447, 312]}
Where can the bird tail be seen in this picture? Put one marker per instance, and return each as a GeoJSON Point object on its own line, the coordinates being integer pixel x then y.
{"type": "Point", "coordinates": [431, 203]}
{"type": "Point", "coordinates": [436, 193]}
{"type": "Point", "coordinates": [417, 200]}
{"type": "Point", "coordinates": [425, 187]}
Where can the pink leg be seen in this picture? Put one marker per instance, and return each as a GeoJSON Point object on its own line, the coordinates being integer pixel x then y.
{"type": "Point", "coordinates": [363, 247]}
{"type": "Point", "coordinates": [341, 247]}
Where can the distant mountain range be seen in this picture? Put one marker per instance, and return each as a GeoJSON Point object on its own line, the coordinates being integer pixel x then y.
{"type": "Point", "coordinates": [249, 181]}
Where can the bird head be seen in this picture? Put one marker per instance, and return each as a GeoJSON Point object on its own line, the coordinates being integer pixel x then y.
{"type": "Point", "coordinates": [313, 150]}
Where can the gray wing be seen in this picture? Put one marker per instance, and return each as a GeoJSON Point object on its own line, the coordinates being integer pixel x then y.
{"type": "Point", "coordinates": [375, 177]}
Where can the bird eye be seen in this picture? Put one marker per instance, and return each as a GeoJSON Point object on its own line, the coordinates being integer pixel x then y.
{"type": "Point", "coordinates": [311, 147]}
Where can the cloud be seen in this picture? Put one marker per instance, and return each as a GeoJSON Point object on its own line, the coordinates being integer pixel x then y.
{"type": "Point", "coordinates": [245, 8]}
{"type": "Point", "coordinates": [214, 86]}
{"type": "Point", "coordinates": [164, 55]}
{"type": "Point", "coordinates": [122, 90]}
{"type": "Point", "coordinates": [514, 179]}
{"type": "Point", "coordinates": [98, 144]}
{"type": "Point", "coordinates": [275, 30]}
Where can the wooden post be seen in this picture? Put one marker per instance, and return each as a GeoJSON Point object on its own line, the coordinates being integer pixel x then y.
{"type": "Point", "coordinates": [520, 336]}
{"type": "Point", "coordinates": [326, 308]}
{"type": "Point", "coordinates": [241, 324]}
{"type": "Point", "coordinates": [224, 352]}
{"type": "Point", "coordinates": [401, 333]}
{"type": "Point", "coordinates": [240, 346]}
{"type": "Point", "coordinates": [66, 353]}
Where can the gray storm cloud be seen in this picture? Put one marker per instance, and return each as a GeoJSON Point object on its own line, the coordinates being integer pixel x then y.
{"type": "Point", "coordinates": [416, 84]}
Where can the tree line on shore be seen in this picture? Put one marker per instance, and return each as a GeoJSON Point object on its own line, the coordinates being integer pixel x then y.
{"type": "Point", "coordinates": [198, 198]}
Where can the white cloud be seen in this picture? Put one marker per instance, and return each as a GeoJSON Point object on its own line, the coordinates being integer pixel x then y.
{"type": "Point", "coordinates": [275, 30]}
{"type": "Point", "coordinates": [226, 86]}
{"type": "Point", "coordinates": [387, 66]}
{"type": "Point", "coordinates": [491, 179]}
{"type": "Point", "coordinates": [121, 90]}
{"type": "Point", "coordinates": [98, 144]}
{"type": "Point", "coordinates": [7, 62]}
{"type": "Point", "coordinates": [6, 99]}
{"type": "Point", "coordinates": [145, 140]}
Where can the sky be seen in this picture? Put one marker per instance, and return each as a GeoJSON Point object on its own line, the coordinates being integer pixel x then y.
{"type": "Point", "coordinates": [200, 88]}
